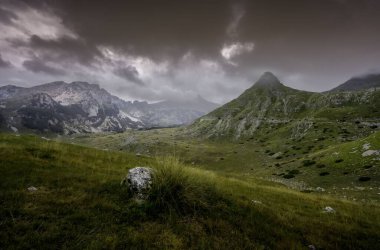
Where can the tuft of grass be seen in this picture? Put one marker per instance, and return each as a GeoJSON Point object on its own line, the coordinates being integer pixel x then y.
{"type": "Point", "coordinates": [175, 189]}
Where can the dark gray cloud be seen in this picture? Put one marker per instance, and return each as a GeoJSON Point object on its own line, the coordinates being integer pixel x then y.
{"type": "Point", "coordinates": [65, 48]}
{"type": "Point", "coordinates": [238, 13]}
{"type": "Point", "coordinates": [143, 46]}
{"type": "Point", "coordinates": [6, 16]}
{"type": "Point", "coordinates": [129, 73]}
{"type": "Point", "coordinates": [36, 65]}
{"type": "Point", "coordinates": [4, 64]}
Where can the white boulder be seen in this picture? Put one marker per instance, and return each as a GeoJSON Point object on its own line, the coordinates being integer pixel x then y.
{"type": "Point", "coordinates": [139, 180]}
{"type": "Point", "coordinates": [32, 189]}
{"type": "Point", "coordinates": [329, 210]}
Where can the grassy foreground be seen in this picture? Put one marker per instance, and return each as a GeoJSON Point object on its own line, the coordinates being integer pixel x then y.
{"type": "Point", "coordinates": [79, 204]}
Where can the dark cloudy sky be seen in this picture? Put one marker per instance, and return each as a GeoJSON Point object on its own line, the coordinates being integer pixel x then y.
{"type": "Point", "coordinates": [167, 49]}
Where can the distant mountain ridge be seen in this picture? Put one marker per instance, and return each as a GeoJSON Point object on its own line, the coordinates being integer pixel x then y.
{"type": "Point", "coordinates": [80, 107]}
{"type": "Point", "coordinates": [360, 83]}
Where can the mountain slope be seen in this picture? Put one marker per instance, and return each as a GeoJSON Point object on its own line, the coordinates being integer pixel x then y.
{"type": "Point", "coordinates": [178, 112]}
{"type": "Point", "coordinates": [360, 83]}
{"type": "Point", "coordinates": [269, 105]}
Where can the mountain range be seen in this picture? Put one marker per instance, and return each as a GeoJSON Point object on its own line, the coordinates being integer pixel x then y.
{"type": "Point", "coordinates": [80, 107]}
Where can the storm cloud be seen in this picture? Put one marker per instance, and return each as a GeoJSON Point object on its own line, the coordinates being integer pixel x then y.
{"type": "Point", "coordinates": [3, 63]}
{"type": "Point", "coordinates": [129, 73]}
{"type": "Point", "coordinates": [38, 66]}
{"type": "Point", "coordinates": [167, 49]}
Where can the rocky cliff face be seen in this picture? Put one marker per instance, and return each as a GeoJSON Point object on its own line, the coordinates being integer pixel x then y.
{"type": "Point", "coordinates": [80, 107]}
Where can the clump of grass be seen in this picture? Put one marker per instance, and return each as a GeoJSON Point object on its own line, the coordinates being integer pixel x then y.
{"type": "Point", "coordinates": [175, 189]}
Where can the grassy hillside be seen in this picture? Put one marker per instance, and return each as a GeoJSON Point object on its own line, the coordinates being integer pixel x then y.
{"type": "Point", "coordinates": [306, 164]}
{"type": "Point", "coordinates": [79, 203]}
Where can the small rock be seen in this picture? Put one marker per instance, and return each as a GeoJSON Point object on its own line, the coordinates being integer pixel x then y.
{"type": "Point", "coordinates": [366, 146]}
{"type": "Point", "coordinates": [329, 210]}
{"type": "Point", "coordinates": [370, 152]}
{"type": "Point", "coordinates": [32, 189]}
{"type": "Point", "coordinates": [256, 202]}
{"type": "Point", "coordinates": [311, 247]}
{"type": "Point", "coordinates": [319, 189]}
{"type": "Point", "coordinates": [139, 180]}
{"type": "Point", "coordinates": [278, 154]}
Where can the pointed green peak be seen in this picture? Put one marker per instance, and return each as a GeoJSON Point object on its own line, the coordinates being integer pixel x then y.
{"type": "Point", "coordinates": [268, 79]}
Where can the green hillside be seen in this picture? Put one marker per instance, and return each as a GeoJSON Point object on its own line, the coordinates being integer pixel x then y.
{"type": "Point", "coordinates": [79, 203]}
{"type": "Point", "coordinates": [269, 107]}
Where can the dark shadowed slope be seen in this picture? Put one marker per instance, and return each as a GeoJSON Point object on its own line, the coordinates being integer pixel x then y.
{"type": "Point", "coordinates": [360, 83]}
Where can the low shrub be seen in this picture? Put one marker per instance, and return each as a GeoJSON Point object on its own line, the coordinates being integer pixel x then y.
{"type": "Point", "coordinates": [288, 176]}
{"type": "Point", "coordinates": [364, 178]}
{"type": "Point", "coordinates": [307, 163]}
{"type": "Point", "coordinates": [321, 165]}
{"type": "Point", "coordinates": [294, 171]}
{"type": "Point", "coordinates": [324, 173]}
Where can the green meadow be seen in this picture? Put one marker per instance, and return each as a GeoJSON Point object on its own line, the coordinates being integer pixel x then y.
{"type": "Point", "coordinates": [79, 202]}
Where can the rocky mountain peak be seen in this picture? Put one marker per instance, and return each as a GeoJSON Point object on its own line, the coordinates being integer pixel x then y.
{"type": "Point", "coordinates": [268, 79]}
